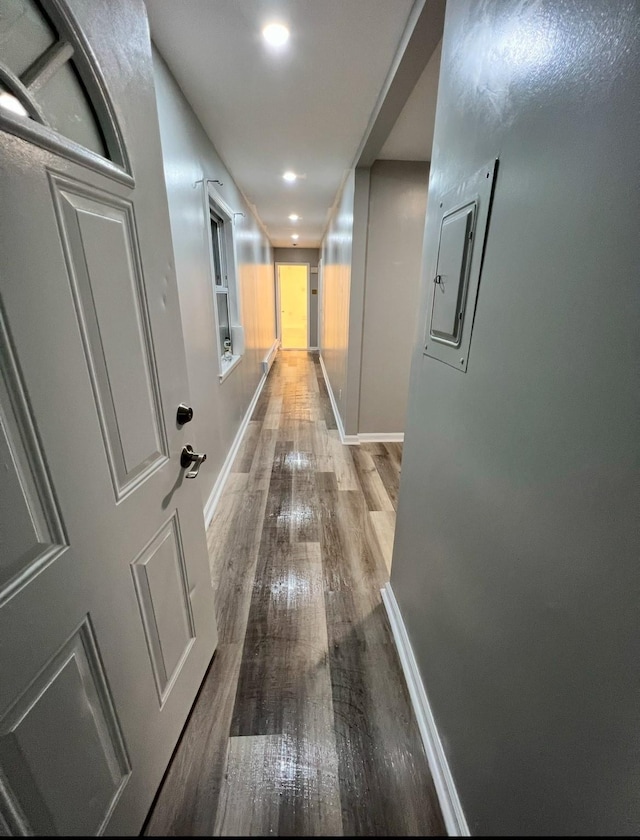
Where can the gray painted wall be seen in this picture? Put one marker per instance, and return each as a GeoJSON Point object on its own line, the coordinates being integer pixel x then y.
{"type": "Point", "coordinates": [363, 252]}
{"type": "Point", "coordinates": [311, 256]}
{"type": "Point", "coordinates": [397, 206]}
{"type": "Point", "coordinates": [189, 157]}
{"type": "Point", "coordinates": [356, 296]}
{"type": "Point", "coordinates": [516, 553]}
{"type": "Point", "coordinates": [336, 285]}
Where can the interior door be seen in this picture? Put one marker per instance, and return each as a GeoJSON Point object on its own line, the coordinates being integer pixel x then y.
{"type": "Point", "coordinates": [293, 286]}
{"type": "Point", "coordinates": [106, 608]}
{"type": "Point", "coordinates": [320, 303]}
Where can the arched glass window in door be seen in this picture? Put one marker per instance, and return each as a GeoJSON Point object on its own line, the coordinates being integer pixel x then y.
{"type": "Point", "coordinates": [46, 76]}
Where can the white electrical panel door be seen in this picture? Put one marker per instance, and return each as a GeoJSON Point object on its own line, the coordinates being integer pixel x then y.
{"type": "Point", "coordinates": [456, 233]}
{"type": "Point", "coordinates": [454, 266]}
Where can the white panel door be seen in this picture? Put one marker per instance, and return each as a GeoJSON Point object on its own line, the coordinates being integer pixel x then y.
{"type": "Point", "coordinates": [293, 297]}
{"type": "Point", "coordinates": [106, 607]}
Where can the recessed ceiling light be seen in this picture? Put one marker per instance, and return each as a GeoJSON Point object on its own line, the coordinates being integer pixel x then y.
{"type": "Point", "coordinates": [290, 176]}
{"type": "Point", "coordinates": [10, 103]}
{"type": "Point", "coordinates": [275, 34]}
{"type": "Point", "coordinates": [294, 217]}
{"type": "Point", "coordinates": [295, 236]}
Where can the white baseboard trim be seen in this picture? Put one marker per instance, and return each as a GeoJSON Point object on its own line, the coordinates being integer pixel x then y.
{"type": "Point", "coordinates": [269, 358]}
{"type": "Point", "coordinates": [452, 812]}
{"type": "Point", "coordinates": [363, 437]}
{"type": "Point", "coordinates": [214, 497]}
{"type": "Point", "coordinates": [381, 437]}
{"type": "Point", "coordinates": [348, 440]}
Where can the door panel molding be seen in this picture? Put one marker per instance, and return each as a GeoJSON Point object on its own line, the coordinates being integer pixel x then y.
{"type": "Point", "coordinates": [162, 588]}
{"type": "Point", "coordinates": [51, 141]}
{"type": "Point", "coordinates": [32, 741]}
{"type": "Point", "coordinates": [131, 419]}
{"type": "Point", "coordinates": [42, 535]}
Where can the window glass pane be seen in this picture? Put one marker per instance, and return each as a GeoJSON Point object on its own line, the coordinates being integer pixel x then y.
{"type": "Point", "coordinates": [66, 105]}
{"type": "Point", "coordinates": [24, 34]}
{"type": "Point", "coordinates": [11, 103]}
{"type": "Point", "coordinates": [218, 246]}
{"type": "Point", "coordinates": [217, 256]}
{"type": "Point", "coordinates": [223, 323]}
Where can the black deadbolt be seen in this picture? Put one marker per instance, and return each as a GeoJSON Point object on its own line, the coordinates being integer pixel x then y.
{"type": "Point", "coordinates": [184, 414]}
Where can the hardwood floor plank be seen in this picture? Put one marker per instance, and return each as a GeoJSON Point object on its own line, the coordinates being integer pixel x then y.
{"type": "Point", "coordinates": [235, 555]}
{"type": "Point", "coordinates": [278, 513]}
{"type": "Point", "coordinates": [285, 685]}
{"type": "Point", "coordinates": [310, 804]}
{"type": "Point", "coordinates": [223, 519]}
{"type": "Point", "coordinates": [250, 802]}
{"type": "Point", "coordinates": [247, 451]}
{"type": "Point", "coordinates": [377, 797]}
{"type": "Point", "coordinates": [188, 799]}
{"type": "Point", "coordinates": [303, 725]}
{"type": "Point", "coordinates": [332, 541]}
{"type": "Point", "coordinates": [273, 412]}
{"type": "Point", "coordinates": [375, 491]}
{"type": "Point", "coordinates": [305, 513]}
{"type": "Point", "coordinates": [389, 474]}
{"type": "Point", "coordinates": [260, 473]}
{"type": "Point", "coordinates": [325, 400]}
{"type": "Point", "coordinates": [225, 515]}
{"type": "Point", "coordinates": [263, 400]}
{"type": "Point", "coordinates": [348, 564]}
{"type": "Point", "coordinates": [327, 409]}
{"type": "Point", "coordinates": [320, 447]}
{"type": "Point", "coordinates": [311, 377]}
{"type": "Point", "coordinates": [303, 437]}
{"type": "Point", "coordinates": [384, 527]}
{"type": "Point", "coordinates": [394, 451]}
{"type": "Point", "coordinates": [284, 661]}
{"type": "Point", "coordinates": [380, 797]}
{"type": "Point", "coordinates": [237, 484]}
{"type": "Point", "coordinates": [342, 462]}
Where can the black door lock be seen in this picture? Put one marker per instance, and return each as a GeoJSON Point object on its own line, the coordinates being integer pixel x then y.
{"type": "Point", "coordinates": [184, 414]}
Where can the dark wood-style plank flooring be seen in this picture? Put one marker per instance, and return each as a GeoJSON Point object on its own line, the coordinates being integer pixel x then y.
{"type": "Point", "coordinates": [303, 724]}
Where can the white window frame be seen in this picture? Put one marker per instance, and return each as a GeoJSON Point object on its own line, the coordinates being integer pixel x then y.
{"type": "Point", "coordinates": [216, 206]}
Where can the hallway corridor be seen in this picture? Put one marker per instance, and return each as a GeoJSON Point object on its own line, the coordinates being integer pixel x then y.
{"type": "Point", "coordinates": [303, 724]}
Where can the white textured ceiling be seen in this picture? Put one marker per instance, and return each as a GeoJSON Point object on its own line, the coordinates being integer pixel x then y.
{"type": "Point", "coordinates": [305, 108]}
{"type": "Point", "coordinates": [412, 136]}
